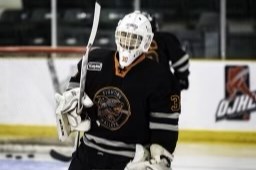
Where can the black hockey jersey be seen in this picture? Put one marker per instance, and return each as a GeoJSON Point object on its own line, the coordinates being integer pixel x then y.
{"type": "Point", "coordinates": [139, 104]}
{"type": "Point", "coordinates": [167, 50]}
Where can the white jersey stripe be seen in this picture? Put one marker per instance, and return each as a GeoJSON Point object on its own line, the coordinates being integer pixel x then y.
{"type": "Point", "coordinates": [115, 152]}
{"type": "Point", "coordinates": [180, 61]}
{"type": "Point", "coordinates": [184, 68]}
{"type": "Point", "coordinates": [162, 126]}
{"type": "Point", "coordinates": [112, 143]}
{"type": "Point", "coordinates": [165, 115]}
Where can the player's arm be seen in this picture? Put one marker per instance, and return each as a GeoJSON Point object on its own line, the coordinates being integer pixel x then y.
{"type": "Point", "coordinates": [67, 116]}
{"type": "Point", "coordinates": [164, 117]}
{"type": "Point", "coordinates": [178, 60]}
{"type": "Point", "coordinates": [75, 79]}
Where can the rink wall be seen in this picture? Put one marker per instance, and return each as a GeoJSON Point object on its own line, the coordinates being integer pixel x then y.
{"type": "Point", "coordinates": [209, 112]}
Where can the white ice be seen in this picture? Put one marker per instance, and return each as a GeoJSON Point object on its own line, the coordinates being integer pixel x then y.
{"type": "Point", "coordinates": [188, 156]}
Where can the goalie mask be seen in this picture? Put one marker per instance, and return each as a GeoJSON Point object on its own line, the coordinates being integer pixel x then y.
{"type": "Point", "coordinates": [133, 37]}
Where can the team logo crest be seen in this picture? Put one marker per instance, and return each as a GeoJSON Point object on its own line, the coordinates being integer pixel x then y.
{"type": "Point", "coordinates": [113, 108]}
{"type": "Point", "coordinates": [239, 100]}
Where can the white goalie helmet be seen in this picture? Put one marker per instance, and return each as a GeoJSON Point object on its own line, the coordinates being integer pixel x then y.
{"type": "Point", "coordinates": [133, 37]}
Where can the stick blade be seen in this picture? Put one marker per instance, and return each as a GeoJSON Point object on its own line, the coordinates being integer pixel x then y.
{"type": "Point", "coordinates": [59, 156]}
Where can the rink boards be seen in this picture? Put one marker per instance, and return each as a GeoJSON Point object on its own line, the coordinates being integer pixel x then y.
{"type": "Point", "coordinates": [27, 99]}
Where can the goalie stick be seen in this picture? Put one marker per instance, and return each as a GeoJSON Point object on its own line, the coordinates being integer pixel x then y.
{"type": "Point", "coordinates": [95, 24]}
{"type": "Point", "coordinates": [60, 156]}
{"type": "Point", "coordinates": [54, 153]}
{"type": "Point", "coordinates": [63, 129]}
{"type": "Point", "coordinates": [85, 56]}
{"type": "Point", "coordinates": [53, 74]}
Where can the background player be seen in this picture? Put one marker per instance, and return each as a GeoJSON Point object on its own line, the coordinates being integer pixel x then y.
{"type": "Point", "coordinates": [167, 50]}
{"type": "Point", "coordinates": [136, 105]}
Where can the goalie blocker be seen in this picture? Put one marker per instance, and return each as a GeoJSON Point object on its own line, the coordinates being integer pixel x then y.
{"type": "Point", "coordinates": [68, 120]}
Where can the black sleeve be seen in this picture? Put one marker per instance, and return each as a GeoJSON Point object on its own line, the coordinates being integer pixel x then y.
{"type": "Point", "coordinates": [75, 80]}
{"type": "Point", "coordinates": [179, 58]}
{"type": "Point", "coordinates": [165, 111]}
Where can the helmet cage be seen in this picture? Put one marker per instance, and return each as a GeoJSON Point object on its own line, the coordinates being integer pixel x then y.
{"type": "Point", "coordinates": [128, 40]}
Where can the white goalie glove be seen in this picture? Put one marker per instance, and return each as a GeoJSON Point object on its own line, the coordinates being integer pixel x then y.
{"type": "Point", "coordinates": [161, 159]}
{"type": "Point", "coordinates": [140, 160]}
{"type": "Point", "coordinates": [158, 159]}
{"type": "Point", "coordinates": [68, 120]}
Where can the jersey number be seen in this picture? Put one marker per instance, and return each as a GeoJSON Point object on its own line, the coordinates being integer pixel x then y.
{"type": "Point", "coordinates": [125, 59]}
{"type": "Point", "coordinates": [175, 103]}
